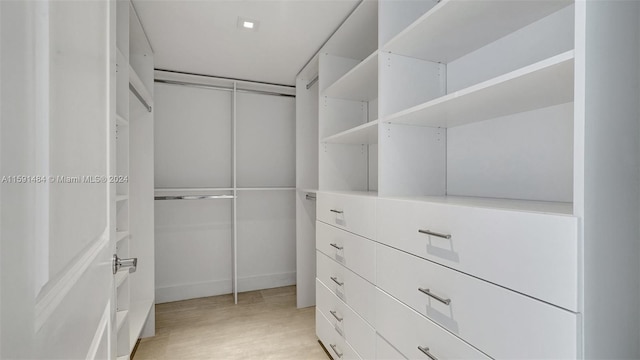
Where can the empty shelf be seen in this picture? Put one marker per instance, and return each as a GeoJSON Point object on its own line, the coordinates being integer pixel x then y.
{"type": "Point", "coordinates": [120, 277]}
{"type": "Point", "coordinates": [364, 134]}
{"type": "Point", "coordinates": [121, 235]}
{"type": "Point", "coordinates": [121, 316]}
{"type": "Point", "coordinates": [543, 84]}
{"type": "Point", "coordinates": [454, 28]}
{"type": "Point", "coordinates": [360, 83]}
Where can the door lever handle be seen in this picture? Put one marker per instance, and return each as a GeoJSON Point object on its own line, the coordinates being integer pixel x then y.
{"type": "Point", "coordinates": [118, 263]}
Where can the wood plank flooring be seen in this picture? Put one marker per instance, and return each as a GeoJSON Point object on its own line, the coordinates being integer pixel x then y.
{"type": "Point", "coordinates": [264, 325]}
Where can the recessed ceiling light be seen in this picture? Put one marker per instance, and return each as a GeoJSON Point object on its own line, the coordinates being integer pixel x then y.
{"type": "Point", "coordinates": [248, 24]}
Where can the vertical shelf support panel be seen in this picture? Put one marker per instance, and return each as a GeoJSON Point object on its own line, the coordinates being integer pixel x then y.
{"type": "Point", "coordinates": [235, 195]}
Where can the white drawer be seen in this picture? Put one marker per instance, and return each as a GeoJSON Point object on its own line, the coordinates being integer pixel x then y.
{"type": "Point", "coordinates": [355, 291]}
{"type": "Point", "coordinates": [406, 330]}
{"type": "Point", "coordinates": [384, 350]}
{"type": "Point", "coordinates": [532, 253]}
{"type": "Point", "coordinates": [500, 322]}
{"type": "Point", "coordinates": [353, 251]}
{"type": "Point", "coordinates": [332, 341]}
{"type": "Point", "coordinates": [354, 213]}
{"type": "Point", "coordinates": [358, 333]}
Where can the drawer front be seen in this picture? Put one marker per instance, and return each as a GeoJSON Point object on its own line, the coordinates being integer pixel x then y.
{"type": "Point", "coordinates": [334, 343]}
{"type": "Point", "coordinates": [406, 330]}
{"type": "Point", "coordinates": [500, 322]}
{"type": "Point", "coordinates": [384, 350]}
{"type": "Point", "coordinates": [532, 253]}
{"type": "Point", "coordinates": [354, 329]}
{"type": "Point", "coordinates": [353, 251]}
{"type": "Point", "coordinates": [354, 291]}
{"type": "Point", "coordinates": [353, 213]}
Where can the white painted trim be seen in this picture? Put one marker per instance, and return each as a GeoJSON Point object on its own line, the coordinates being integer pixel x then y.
{"type": "Point", "coordinates": [221, 287]}
{"type": "Point", "coordinates": [259, 282]}
{"type": "Point", "coordinates": [103, 325]}
{"type": "Point", "coordinates": [48, 301]}
{"type": "Point", "coordinates": [193, 290]}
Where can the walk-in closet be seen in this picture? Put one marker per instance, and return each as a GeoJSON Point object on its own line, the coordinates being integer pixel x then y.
{"type": "Point", "coordinates": [312, 179]}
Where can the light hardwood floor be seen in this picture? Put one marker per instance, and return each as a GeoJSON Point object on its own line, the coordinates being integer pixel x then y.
{"type": "Point", "coordinates": [264, 325]}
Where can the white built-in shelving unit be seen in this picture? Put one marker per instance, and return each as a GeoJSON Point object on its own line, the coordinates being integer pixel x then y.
{"type": "Point", "coordinates": [132, 185]}
{"type": "Point", "coordinates": [442, 110]}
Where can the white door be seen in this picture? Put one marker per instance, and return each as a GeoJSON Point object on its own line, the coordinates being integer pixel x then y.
{"type": "Point", "coordinates": [56, 289]}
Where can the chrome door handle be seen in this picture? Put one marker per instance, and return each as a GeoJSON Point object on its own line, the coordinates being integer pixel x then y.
{"type": "Point", "coordinates": [335, 280]}
{"type": "Point", "coordinates": [335, 315]}
{"type": "Point", "coordinates": [336, 246]}
{"type": "Point", "coordinates": [430, 294]}
{"type": "Point", "coordinates": [334, 347]}
{"type": "Point", "coordinates": [336, 211]}
{"type": "Point", "coordinates": [425, 350]}
{"type": "Point", "coordinates": [118, 263]}
{"type": "Point", "coordinates": [429, 232]}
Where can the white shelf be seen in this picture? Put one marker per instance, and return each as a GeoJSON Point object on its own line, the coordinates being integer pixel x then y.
{"type": "Point", "coordinates": [121, 121]}
{"type": "Point", "coordinates": [121, 316]}
{"type": "Point", "coordinates": [121, 235]}
{"type": "Point", "coordinates": [543, 84]}
{"type": "Point", "coordinates": [360, 83]}
{"type": "Point", "coordinates": [122, 198]}
{"type": "Point", "coordinates": [454, 28]}
{"type": "Point", "coordinates": [546, 207]}
{"type": "Point", "coordinates": [120, 277]}
{"type": "Point", "coordinates": [364, 134]}
{"type": "Point", "coordinates": [137, 83]}
{"type": "Point", "coordinates": [137, 317]}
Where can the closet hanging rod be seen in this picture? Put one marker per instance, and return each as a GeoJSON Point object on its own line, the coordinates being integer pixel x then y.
{"type": "Point", "coordinates": [195, 197]}
{"type": "Point", "coordinates": [142, 100]}
{"type": "Point", "coordinates": [313, 81]}
{"type": "Point", "coordinates": [207, 86]}
{"type": "Point", "coordinates": [194, 189]}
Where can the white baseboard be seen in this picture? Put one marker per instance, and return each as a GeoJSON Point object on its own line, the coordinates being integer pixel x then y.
{"type": "Point", "coordinates": [192, 291]}
{"type": "Point", "coordinates": [220, 287]}
{"type": "Point", "coordinates": [269, 281]}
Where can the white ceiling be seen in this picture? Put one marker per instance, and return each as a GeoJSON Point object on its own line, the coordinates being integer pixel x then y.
{"type": "Point", "coordinates": [202, 37]}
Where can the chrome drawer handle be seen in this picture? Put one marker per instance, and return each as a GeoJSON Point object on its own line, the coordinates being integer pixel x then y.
{"type": "Point", "coordinates": [334, 347]}
{"type": "Point", "coordinates": [430, 294]}
{"type": "Point", "coordinates": [336, 246]}
{"type": "Point", "coordinates": [429, 232]}
{"type": "Point", "coordinates": [335, 315]}
{"type": "Point", "coordinates": [425, 350]}
{"type": "Point", "coordinates": [335, 280]}
{"type": "Point", "coordinates": [336, 211]}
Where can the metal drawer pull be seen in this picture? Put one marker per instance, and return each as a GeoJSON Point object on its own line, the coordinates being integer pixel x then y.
{"type": "Point", "coordinates": [334, 347]}
{"type": "Point", "coordinates": [335, 280]}
{"type": "Point", "coordinates": [335, 315]}
{"type": "Point", "coordinates": [425, 350]}
{"type": "Point", "coordinates": [429, 232]}
{"type": "Point", "coordinates": [336, 211]}
{"type": "Point", "coordinates": [336, 246]}
{"type": "Point", "coordinates": [430, 294]}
